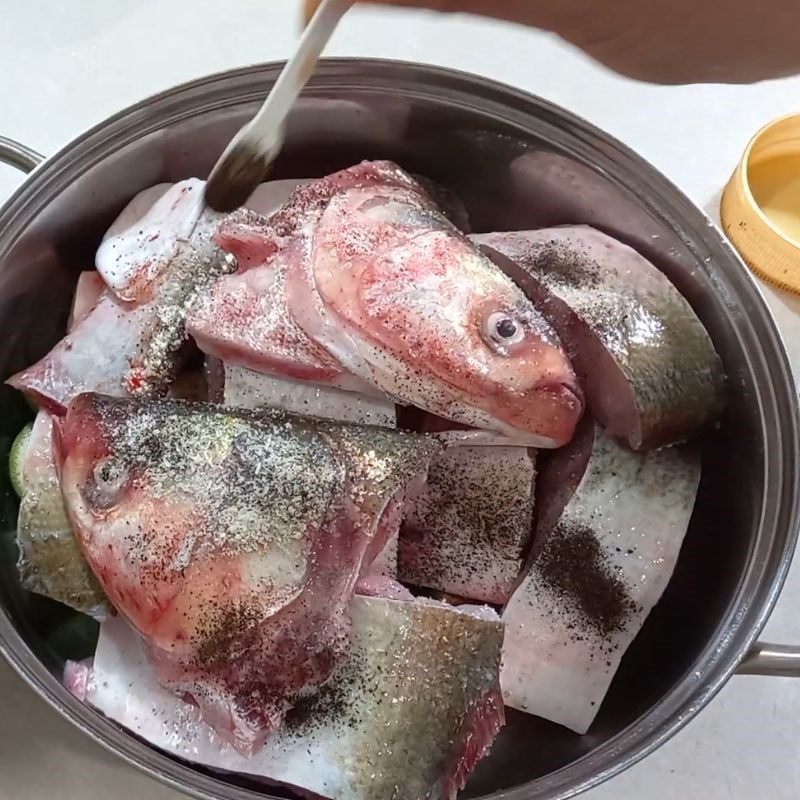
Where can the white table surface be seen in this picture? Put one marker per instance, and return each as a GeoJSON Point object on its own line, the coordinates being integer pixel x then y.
{"type": "Point", "coordinates": [67, 64]}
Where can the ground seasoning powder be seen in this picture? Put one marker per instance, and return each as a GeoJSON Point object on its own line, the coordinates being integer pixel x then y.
{"type": "Point", "coordinates": [573, 567]}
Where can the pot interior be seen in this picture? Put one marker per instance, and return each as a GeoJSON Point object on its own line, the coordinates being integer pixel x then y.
{"type": "Point", "coordinates": [516, 163]}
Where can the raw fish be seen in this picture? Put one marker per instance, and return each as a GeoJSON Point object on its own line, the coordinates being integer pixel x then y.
{"type": "Point", "coordinates": [149, 234]}
{"type": "Point", "coordinates": [610, 524]}
{"type": "Point", "coordinates": [50, 560]}
{"type": "Point", "coordinates": [247, 389]}
{"type": "Point", "coordinates": [150, 231]}
{"type": "Point", "coordinates": [409, 711]}
{"type": "Point", "coordinates": [88, 291]}
{"type": "Point", "coordinates": [359, 276]}
{"type": "Point", "coordinates": [123, 348]}
{"type": "Point", "coordinates": [646, 363]}
{"type": "Point", "coordinates": [467, 527]}
{"type": "Point", "coordinates": [231, 541]}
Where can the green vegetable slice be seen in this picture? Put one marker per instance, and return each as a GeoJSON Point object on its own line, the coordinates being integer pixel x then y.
{"type": "Point", "coordinates": [16, 456]}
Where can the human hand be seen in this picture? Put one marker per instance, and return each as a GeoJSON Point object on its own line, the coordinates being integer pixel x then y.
{"type": "Point", "coordinates": [660, 41]}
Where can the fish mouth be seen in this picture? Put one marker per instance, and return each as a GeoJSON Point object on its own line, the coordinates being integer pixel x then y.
{"type": "Point", "coordinates": [566, 391]}
{"type": "Point", "coordinates": [550, 409]}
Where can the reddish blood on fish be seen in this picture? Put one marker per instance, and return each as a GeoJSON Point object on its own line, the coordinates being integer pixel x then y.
{"type": "Point", "coordinates": [362, 266]}
{"type": "Point", "coordinates": [132, 340]}
{"type": "Point", "coordinates": [467, 527]}
{"type": "Point", "coordinates": [645, 361]}
{"type": "Point", "coordinates": [244, 319]}
{"type": "Point", "coordinates": [417, 684]}
{"type": "Point", "coordinates": [95, 356]}
{"type": "Point", "coordinates": [231, 541]}
{"type": "Point", "coordinates": [610, 524]}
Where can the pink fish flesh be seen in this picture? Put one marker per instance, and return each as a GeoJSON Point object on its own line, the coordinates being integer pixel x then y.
{"type": "Point", "coordinates": [645, 361]}
{"type": "Point", "coordinates": [123, 348]}
{"type": "Point", "coordinates": [418, 684]}
{"type": "Point", "coordinates": [88, 291]}
{"type": "Point", "coordinates": [150, 230]}
{"type": "Point", "coordinates": [467, 527]}
{"type": "Point", "coordinates": [143, 241]}
{"type": "Point", "coordinates": [231, 541]}
{"type": "Point", "coordinates": [360, 275]}
{"type": "Point", "coordinates": [610, 527]}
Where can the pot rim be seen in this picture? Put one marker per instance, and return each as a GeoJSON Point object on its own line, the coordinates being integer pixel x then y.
{"type": "Point", "coordinates": [770, 553]}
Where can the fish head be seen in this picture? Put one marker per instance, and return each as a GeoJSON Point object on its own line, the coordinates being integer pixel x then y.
{"type": "Point", "coordinates": [475, 348]}
{"type": "Point", "coordinates": [94, 472]}
{"type": "Point", "coordinates": [133, 527]}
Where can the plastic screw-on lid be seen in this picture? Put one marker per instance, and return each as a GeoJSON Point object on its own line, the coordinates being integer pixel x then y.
{"type": "Point", "coordinates": [760, 207]}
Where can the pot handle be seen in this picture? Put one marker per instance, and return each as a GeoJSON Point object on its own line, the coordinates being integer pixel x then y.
{"type": "Point", "coordinates": [18, 155]}
{"type": "Point", "coordinates": [771, 659]}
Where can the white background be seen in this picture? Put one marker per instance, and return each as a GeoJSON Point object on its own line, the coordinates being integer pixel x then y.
{"type": "Point", "coordinates": [67, 65]}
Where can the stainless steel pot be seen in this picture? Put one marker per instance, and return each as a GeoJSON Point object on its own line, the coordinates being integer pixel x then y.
{"type": "Point", "coordinates": [517, 161]}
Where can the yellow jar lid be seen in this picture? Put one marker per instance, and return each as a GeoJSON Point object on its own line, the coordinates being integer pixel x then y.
{"type": "Point", "coordinates": [760, 207]}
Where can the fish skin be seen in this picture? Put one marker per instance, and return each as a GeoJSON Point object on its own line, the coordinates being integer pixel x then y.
{"type": "Point", "coordinates": [647, 365]}
{"type": "Point", "coordinates": [466, 530]}
{"type": "Point", "coordinates": [231, 540]}
{"type": "Point", "coordinates": [121, 348]}
{"type": "Point", "coordinates": [418, 684]}
{"type": "Point", "coordinates": [149, 234]}
{"type": "Point", "coordinates": [244, 388]}
{"type": "Point", "coordinates": [405, 295]}
{"type": "Point", "coordinates": [610, 525]}
{"type": "Point", "coordinates": [94, 356]}
{"type": "Point", "coordinates": [365, 266]}
{"type": "Point", "coordinates": [149, 231]}
{"type": "Point", "coordinates": [50, 562]}
{"type": "Point", "coordinates": [244, 320]}
{"type": "Point", "coordinates": [158, 356]}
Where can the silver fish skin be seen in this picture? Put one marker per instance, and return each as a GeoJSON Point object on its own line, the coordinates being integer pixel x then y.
{"type": "Point", "coordinates": [417, 685]}
{"type": "Point", "coordinates": [50, 561]}
{"type": "Point", "coordinates": [132, 345]}
{"type": "Point", "coordinates": [610, 526]}
{"type": "Point", "coordinates": [467, 527]}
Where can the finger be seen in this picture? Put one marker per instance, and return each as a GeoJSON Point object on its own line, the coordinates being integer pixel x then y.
{"type": "Point", "coordinates": [309, 9]}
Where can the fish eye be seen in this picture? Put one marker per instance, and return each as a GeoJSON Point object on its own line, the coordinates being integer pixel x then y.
{"type": "Point", "coordinates": [109, 477]}
{"type": "Point", "coordinates": [503, 330]}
